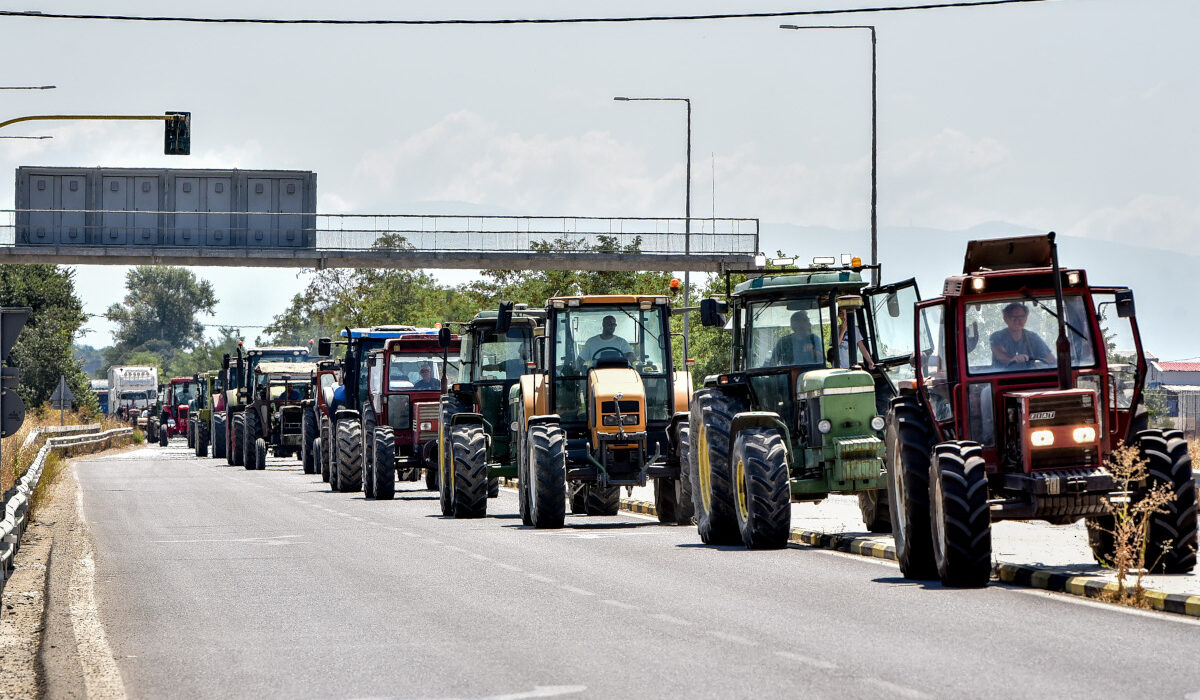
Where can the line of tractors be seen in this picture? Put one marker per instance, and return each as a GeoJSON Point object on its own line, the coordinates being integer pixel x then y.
{"type": "Point", "coordinates": [1003, 398]}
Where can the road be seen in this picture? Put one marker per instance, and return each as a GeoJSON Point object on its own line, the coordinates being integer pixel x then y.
{"type": "Point", "coordinates": [216, 581]}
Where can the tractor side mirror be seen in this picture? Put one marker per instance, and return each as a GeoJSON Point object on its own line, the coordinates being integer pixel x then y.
{"type": "Point", "coordinates": [324, 347]}
{"type": "Point", "coordinates": [504, 317]}
{"type": "Point", "coordinates": [1124, 299]}
{"type": "Point", "coordinates": [893, 305]}
{"type": "Point", "coordinates": [225, 361]}
{"type": "Point", "coordinates": [444, 337]}
{"type": "Point", "coordinates": [712, 312]}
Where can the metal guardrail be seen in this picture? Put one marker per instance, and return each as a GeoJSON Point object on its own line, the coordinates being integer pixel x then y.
{"type": "Point", "coordinates": [58, 430]}
{"type": "Point", "coordinates": [17, 498]}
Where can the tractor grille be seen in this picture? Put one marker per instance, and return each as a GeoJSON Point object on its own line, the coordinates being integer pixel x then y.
{"type": "Point", "coordinates": [627, 407]}
{"type": "Point", "coordinates": [427, 413]}
{"type": "Point", "coordinates": [289, 419]}
{"type": "Point", "coordinates": [1026, 412]}
{"type": "Point", "coordinates": [1061, 409]}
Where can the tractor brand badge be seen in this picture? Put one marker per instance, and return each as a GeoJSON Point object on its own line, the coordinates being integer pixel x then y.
{"type": "Point", "coordinates": [1043, 415]}
{"type": "Point", "coordinates": [1087, 400]}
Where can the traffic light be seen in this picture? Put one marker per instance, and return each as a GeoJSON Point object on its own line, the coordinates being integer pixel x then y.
{"type": "Point", "coordinates": [178, 137]}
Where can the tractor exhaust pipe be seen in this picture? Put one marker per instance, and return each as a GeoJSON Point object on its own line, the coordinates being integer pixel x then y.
{"type": "Point", "coordinates": [1062, 345]}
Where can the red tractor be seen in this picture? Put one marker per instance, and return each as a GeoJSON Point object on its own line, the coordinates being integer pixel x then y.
{"type": "Point", "coordinates": [316, 418]}
{"type": "Point", "coordinates": [174, 419]}
{"type": "Point", "coordinates": [1026, 380]}
{"type": "Point", "coordinates": [400, 418]}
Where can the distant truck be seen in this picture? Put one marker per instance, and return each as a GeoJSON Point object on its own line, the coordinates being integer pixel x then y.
{"type": "Point", "coordinates": [131, 390]}
{"type": "Point", "coordinates": [100, 389]}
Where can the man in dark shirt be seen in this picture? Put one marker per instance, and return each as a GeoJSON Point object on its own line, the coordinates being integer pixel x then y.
{"type": "Point", "coordinates": [427, 382]}
{"type": "Point", "coordinates": [1014, 347]}
{"type": "Point", "coordinates": [801, 347]}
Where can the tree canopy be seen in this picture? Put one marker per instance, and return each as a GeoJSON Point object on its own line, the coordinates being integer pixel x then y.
{"type": "Point", "coordinates": [159, 314]}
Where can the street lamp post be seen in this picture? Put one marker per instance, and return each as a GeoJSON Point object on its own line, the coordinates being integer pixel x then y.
{"type": "Point", "coordinates": [874, 138]}
{"type": "Point", "coordinates": [687, 208]}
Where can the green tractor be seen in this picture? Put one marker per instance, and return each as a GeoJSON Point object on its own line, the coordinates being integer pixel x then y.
{"type": "Point", "coordinates": [815, 357]}
{"type": "Point", "coordinates": [200, 413]}
{"type": "Point", "coordinates": [476, 441]}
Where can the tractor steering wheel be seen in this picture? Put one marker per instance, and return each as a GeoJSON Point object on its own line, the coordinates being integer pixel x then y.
{"type": "Point", "coordinates": [614, 352]}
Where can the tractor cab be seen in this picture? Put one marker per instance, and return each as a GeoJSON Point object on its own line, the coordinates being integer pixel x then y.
{"type": "Point", "coordinates": [180, 393]}
{"type": "Point", "coordinates": [280, 388]}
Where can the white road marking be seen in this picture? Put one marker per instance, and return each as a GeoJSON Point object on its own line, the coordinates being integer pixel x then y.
{"type": "Point", "coordinates": [577, 591]}
{"type": "Point", "coordinates": [101, 676]}
{"type": "Point", "coordinates": [262, 540]}
{"type": "Point", "coordinates": [896, 690]}
{"type": "Point", "coordinates": [456, 548]}
{"type": "Point", "coordinates": [409, 534]}
{"type": "Point", "coordinates": [510, 567]}
{"type": "Point", "coordinates": [735, 638]}
{"type": "Point", "coordinates": [543, 579]}
{"type": "Point", "coordinates": [619, 604]}
{"type": "Point", "coordinates": [480, 557]}
{"type": "Point", "coordinates": [1111, 607]}
{"type": "Point", "coordinates": [541, 691]}
{"type": "Point", "coordinates": [673, 620]}
{"type": "Point", "coordinates": [807, 660]}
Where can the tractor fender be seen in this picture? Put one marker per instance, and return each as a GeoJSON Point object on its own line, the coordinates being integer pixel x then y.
{"type": "Point", "coordinates": [548, 418]}
{"type": "Point", "coordinates": [683, 392]}
{"type": "Point", "coordinates": [533, 394]}
{"type": "Point", "coordinates": [345, 413]}
{"type": "Point", "coordinates": [467, 418]}
{"type": "Point", "coordinates": [757, 419]}
{"type": "Point", "coordinates": [679, 418]}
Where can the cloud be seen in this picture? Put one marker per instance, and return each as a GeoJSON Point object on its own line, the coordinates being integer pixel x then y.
{"type": "Point", "coordinates": [1150, 220]}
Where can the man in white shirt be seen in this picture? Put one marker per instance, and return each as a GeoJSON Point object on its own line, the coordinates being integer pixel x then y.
{"type": "Point", "coordinates": [606, 339]}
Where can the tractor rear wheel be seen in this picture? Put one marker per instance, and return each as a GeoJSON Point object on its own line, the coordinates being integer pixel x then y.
{"type": "Point", "coordinates": [494, 487]}
{"type": "Point", "coordinates": [201, 439]}
{"type": "Point", "coordinates": [151, 433]}
{"type": "Point", "coordinates": [762, 488]}
{"type": "Point", "coordinates": [323, 454]}
{"type": "Point", "coordinates": [384, 461]}
{"type": "Point", "coordinates": [322, 463]}
{"type": "Point", "coordinates": [1101, 539]}
{"type": "Point", "coordinates": [254, 431]}
{"type": "Point", "coordinates": [665, 504]}
{"type": "Point", "coordinates": [368, 450]}
{"type": "Point", "coordinates": [873, 505]}
{"type": "Point", "coordinates": [218, 436]}
{"type": "Point", "coordinates": [908, 439]}
{"type": "Point", "coordinates": [237, 452]}
{"type": "Point", "coordinates": [578, 498]}
{"type": "Point", "coordinates": [260, 454]}
{"type": "Point", "coordinates": [468, 443]}
{"type": "Point", "coordinates": [431, 479]}
{"type": "Point", "coordinates": [446, 474]}
{"type": "Point", "coordinates": [349, 455]}
{"type": "Point", "coordinates": [308, 433]}
{"type": "Point", "coordinates": [708, 465]}
{"type": "Point", "coordinates": [190, 434]}
{"type": "Point", "coordinates": [678, 509]}
{"type": "Point", "coordinates": [547, 472]}
{"type": "Point", "coordinates": [961, 519]}
{"type": "Point", "coordinates": [1171, 536]}
{"type": "Point", "coordinates": [163, 435]}
{"type": "Point", "coordinates": [602, 500]}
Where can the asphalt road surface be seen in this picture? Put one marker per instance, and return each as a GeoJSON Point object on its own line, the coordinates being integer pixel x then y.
{"type": "Point", "coordinates": [216, 581]}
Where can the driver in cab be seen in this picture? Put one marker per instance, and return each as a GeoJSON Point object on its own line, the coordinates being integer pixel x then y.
{"type": "Point", "coordinates": [1013, 347]}
{"type": "Point", "coordinates": [606, 340]}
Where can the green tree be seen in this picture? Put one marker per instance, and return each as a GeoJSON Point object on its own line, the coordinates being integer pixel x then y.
{"type": "Point", "coordinates": [159, 313]}
{"type": "Point", "coordinates": [43, 351]}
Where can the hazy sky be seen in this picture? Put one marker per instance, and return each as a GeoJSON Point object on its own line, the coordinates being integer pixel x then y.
{"type": "Point", "coordinates": [1076, 115]}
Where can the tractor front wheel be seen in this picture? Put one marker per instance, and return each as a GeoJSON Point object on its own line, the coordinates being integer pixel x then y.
{"type": "Point", "coordinates": [708, 466]}
{"type": "Point", "coordinates": [677, 507]}
{"type": "Point", "coordinates": [218, 436]}
{"type": "Point", "coordinates": [254, 431]}
{"type": "Point", "coordinates": [239, 440]}
{"type": "Point", "coordinates": [1171, 537]}
{"type": "Point", "coordinates": [468, 443]}
{"type": "Point", "coordinates": [308, 434]}
{"type": "Point", "coordinates": [318, 455]}
{"type": "Point", "coordinates": [547, 472]}
{"type": "Point", "coordinates": [163, 435]}
{"type": "Point", "coordinates": [602, 500]}
{"type": "Point", "coordinates": [384, 461]}
{"type": "Point", "coordinates": [260, 454]}
{"type": "Point", "coordinates": [762, 487]}
{"type": "Point", "coordinates": [960, 517]}
{"type": "Point", "coordinates": [873, 505]}
{"type": "Point", "coordinates": [907, 442]}
{"type": "Point", "coordinates": [349, 455]}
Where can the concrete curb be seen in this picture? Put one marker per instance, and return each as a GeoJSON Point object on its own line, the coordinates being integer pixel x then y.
{"type": "Point", "coordinates": [1013, 574]}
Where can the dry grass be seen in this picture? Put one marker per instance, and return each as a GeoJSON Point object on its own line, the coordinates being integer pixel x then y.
{"type": "Point", "coordinates": [1194, 451]}
{"type": "Point", "coordinates": [55, 464]}
{"type": "Point", "coordinates": [14, 461]}
{"type": "Point", "coordinates": [1131, 524]}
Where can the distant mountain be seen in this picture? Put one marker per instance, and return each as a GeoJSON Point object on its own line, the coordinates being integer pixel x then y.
{"type": "Point", "coordinates": [1168, 323]}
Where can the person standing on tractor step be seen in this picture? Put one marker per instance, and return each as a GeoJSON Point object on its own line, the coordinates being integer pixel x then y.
{"type": "Point", "coordinates": [864, 355]}
{"type": "Point", "coordinates": [605, 340]}
{"type": "Point", "coordinates": [802, 347]}
{"type": "Point", "coordinates": [427, 382]}
{"type": "Point", "coordinates": [1014, 347]}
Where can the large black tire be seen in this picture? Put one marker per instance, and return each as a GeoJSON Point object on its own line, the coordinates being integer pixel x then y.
{"type": "Point", "coordinates": [260, 454]}
{"type": "Point", "coordinates": [254, 431]}
{"type": "Point", "coordinates": [547, 475]}
{"type": "Point", "coordinates": [1171, 536]}
{"type": "Point", "coordinates": [384, 461]}
{"type": "Point", "coordinates": [577, 496]}
{"type": "Point", "coordinates": [445, 464]}
{"type": "Point", "coordinates": [190, 433]}
{"type": "Point", "coordinates": [201, 439]}
{"type": "Point", "coordinates": [368, 449]}
{"type": "Point", "coordinates": [874, 508]}
{"type": "Point", "coordinates": [308, 434]}
{"type": "Point", "coordinates": [323, 454]}
{"type": "Point", "coordinates": [319, 456]}
{"type": "Point", "coordinates": [673, 497]}
{"type": "Point", "coordinates": [908, 440]}
{"type": "Point", "coordinates": [468, 444]}
{"type": "Point", "coordinates": [163, 435]}
{"type": "Point", "coordinates": [762, 488]}
{"type": "Point", "coordinates": [1137, 423]}
{"type": "Point", "coordinates": [239, 439]}
{"type": "Point", "coordinates": [604, 500]}
{"type": "Point", "coordinates": [431, 479]}
{"type": "Point", "coordinates": [960, 517]}
{"type": "Point", "coordinates": [494, 487]}
{"type": "Point", "coordinates": [349, 455]}
{"type": "Point", "coordinates": [709, 468]}
{"type": "Point", "coordinates": [151, 430]}
{"type": "Point", "coordinates": [218, 436]}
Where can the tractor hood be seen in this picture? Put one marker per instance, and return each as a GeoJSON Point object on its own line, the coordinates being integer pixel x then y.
{"type": "Point", "coordinates": [822, 382]}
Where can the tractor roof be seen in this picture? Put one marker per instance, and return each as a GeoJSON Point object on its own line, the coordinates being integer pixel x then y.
{"type": "Point", "coordinates": [416, 342]}
{"type": "Point", "coordinates": [531, 317]}
{"type": "Point", "coordinates": [812, 280]}
{"type": "Point", "coordinates": [605, 299]}
{"type": "Point", "coordinates": [387, 331]}
{"type": "Point", "coordinates": [290, 368]}
{"type": "Point", "coordinates": [278, 350]}
{"type": "Point", "coordinates": [1007, 253]}
{"type": "Point", "coordinates": [182, 380]}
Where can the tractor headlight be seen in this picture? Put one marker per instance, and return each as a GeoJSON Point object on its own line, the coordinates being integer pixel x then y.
{"type": "Point", "coordinates": [627, 419]}
{"type": "Point", "coordinates": [1084, 434]}
{"type": "Point", "coordinates": [426, 426]}
{"type": "Point", "coordinates": [824, 426]}
{"type": "Point", "coordinates": [1041, 438]}
{"type": "Point", "coordinates": [877, 423]}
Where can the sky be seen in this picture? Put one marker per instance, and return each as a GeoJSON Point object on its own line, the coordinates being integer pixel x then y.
{"type": "Point", "coordinates": [1076, 116]}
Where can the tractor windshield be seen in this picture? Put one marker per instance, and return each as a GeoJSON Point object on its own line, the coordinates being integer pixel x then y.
{"type": "Point", "coordinates": [786, 333]}
{"type": "Point", "coordinates": [1018, 334]}
{"type": "Point", "coordinates": [289, 391]}
{"type": "Point", "coordinates": [184, 393]}
{"type": "Point", "coordinates": [503, 355]}
{"type": "Point", "coordinates": [419, 372]}
{"type": "Point", "coordinates": [587, 335]}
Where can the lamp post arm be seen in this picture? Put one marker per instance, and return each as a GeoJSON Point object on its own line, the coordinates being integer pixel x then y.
{"type": "Point", "coordinates": [91, 117]}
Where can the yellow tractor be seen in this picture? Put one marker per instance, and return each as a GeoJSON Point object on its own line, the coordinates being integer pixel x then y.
{"type": "Point", "coordinates": [601, 407]}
